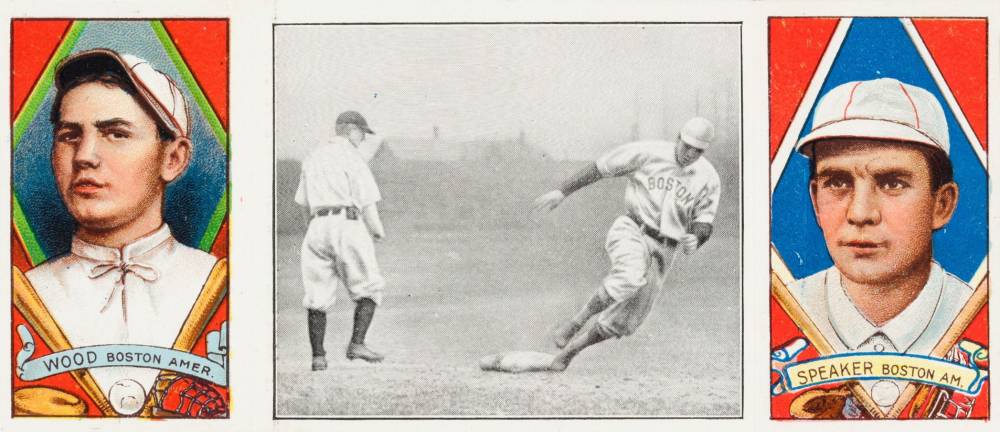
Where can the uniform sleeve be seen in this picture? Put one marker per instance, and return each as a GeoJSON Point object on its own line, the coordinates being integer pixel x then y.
{"type": "Point", "coordinates": [363, 187]}
{"type": "Point", "coordinates": [300, 193]}
{"type": "Point", "coordinates": [708, 204]}
{"type": "Point", "coordinates": [622, 160]}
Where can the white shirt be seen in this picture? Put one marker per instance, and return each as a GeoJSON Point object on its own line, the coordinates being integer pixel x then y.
{"type": "Point", "coordinates": [139, 294]}
{"type": "Point", "coordinates": [336, 174]}
{"type": "Point", "coordinates": [661, 192]}
{"type": "Point", "coordinates": [915, 330]}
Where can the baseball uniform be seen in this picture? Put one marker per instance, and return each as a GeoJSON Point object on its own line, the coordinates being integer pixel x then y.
{"type": "Point", "coordinates": [337, 248]}
{"type": "Point", "coordinates": [915, 330]}
{"type": "Point", "coordinates": [139, 294]}
{"type": "Point", "coordinates": [660, 195]}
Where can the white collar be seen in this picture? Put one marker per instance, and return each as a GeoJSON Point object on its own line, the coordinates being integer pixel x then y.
{"type": "Point", "coordinates": [100, 260]}
{"type": "Point", "coordinates": [902, 330]}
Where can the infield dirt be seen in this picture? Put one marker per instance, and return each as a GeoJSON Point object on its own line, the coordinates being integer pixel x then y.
{"type": "Point", "coordinates": [470, 274]}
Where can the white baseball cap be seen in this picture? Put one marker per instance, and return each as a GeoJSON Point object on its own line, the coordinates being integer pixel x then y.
{"type": "Point", "coordinates": [159, 92]}
{"type": "Point", "coordinates": [698, 133]}
{"type": "Point", "coordinates": [884, 109]}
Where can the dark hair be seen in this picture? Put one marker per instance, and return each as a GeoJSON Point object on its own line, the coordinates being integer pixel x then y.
{"type": "Point", "coordinates": [938, 162]}
{"type": "Point", "coordinates": [109, 78]}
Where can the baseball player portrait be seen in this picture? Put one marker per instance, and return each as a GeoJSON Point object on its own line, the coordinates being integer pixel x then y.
{"type": "Point", "coordinates": [339, 197]}
{"type": "Point", "coordinates": [879, 222]}
{"type": "Point", "coordinates": [121, 134]}
{"type": "Point", "coordinates": [672, 197]}
{"type": "Point", "coordinates": [881, 183]}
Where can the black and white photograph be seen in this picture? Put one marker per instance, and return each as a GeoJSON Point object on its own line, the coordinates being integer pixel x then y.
{"type": "Point", "coordinates": [507, 220]}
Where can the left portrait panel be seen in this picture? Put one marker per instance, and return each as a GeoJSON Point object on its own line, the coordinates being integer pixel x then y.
{"type": "Point", "coordinates": [119, 218]}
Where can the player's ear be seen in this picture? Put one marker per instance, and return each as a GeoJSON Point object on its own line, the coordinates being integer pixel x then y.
{"type": "Point", "coordinates": [812, 196]}
{"type": "Point", "coordinates": [945, 201]}
{"type": "Point", "coordinates": [176, 157]}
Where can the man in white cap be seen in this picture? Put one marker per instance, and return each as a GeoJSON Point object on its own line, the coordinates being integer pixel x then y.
{"type": "Point", "coordinates": [881, 184]}
{"type": "Point", "coordinates": [340, 198]}
{"type": "Point", "coordinates": [672, 195]}
{"type": "Point", "coordinates": [120, 135]}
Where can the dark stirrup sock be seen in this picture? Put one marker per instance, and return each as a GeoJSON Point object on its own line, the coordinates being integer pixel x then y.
{"type": "Point", "coordinates": [317, 331]}
{"type": "Point", "coordinates": [363, 314]}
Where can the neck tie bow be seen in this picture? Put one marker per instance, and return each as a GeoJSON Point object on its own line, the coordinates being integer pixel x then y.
{"type": "Point", "coordinates": [143, 271]}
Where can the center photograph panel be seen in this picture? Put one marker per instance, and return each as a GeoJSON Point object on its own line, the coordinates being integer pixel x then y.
{"type": "Point", "coordinates": [505, 220]}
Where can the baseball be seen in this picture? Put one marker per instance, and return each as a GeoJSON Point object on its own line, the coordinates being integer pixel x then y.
{"type": "Point", "coordinates": [127, 397]}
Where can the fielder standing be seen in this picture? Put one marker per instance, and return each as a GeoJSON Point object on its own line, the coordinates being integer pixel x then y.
{"type": "Point", "coordinates": [340, 195]}
{"type": "Point", "coordinates": [672, 194]}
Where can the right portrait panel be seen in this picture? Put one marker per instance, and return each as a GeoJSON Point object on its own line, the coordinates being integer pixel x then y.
{"type": "Point", "coordinates": [879, 227]}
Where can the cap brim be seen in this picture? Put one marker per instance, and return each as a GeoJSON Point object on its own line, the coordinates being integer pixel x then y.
{"type": "Point", "coordinates": [694, 142]}
{"type": "Point", "coordinates": [368, 130]}
{"type": "Point", "coordinates": [100, 59]}
{"type": "Point", "coordinates": [865, 128]}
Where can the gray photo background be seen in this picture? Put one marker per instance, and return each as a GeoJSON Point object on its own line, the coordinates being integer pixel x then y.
{"type": "Point", "coordinates": [479, 120]}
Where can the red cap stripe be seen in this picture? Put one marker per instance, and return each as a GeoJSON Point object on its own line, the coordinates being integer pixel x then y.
{"type": "Point", "coordinates": [915, 113]}
{"type": "Point", "coordinates": [850, 98]}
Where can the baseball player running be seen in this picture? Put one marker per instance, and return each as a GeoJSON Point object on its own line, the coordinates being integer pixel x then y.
{"type": "Point", "coordinates": [339, 194]}
{"type": "Point", "coordinates": [672, 194]}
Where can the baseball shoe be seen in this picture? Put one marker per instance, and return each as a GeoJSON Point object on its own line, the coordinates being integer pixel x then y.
{"type": "Point", "coordinates": [558, 364]}
{"type": "Point", "coordinates": [319, 363]}
{"type": "Point", "coordinates": [361, 351]}
{"type": "Point", "coordinates": [565, 333]}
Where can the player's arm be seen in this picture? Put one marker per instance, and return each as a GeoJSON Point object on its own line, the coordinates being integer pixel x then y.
{"type": "Point", "coordinates": [369, 214]}
{"type": "Point", "coordinates": [581, 179]}
{"type": "Point", "coordinates": [366, 194]}
{"type": "Point", "coordinates": [621, 160]}
{"type": "Point", "coordinates": [300, 199]}
{"type": "Point", "coordinates": [703, 216]}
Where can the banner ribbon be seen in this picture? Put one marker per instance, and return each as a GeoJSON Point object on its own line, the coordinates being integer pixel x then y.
{"type": "Point", "coordinates": [144, 356]}
{"type": "Point", "coordinates": [876, 366]}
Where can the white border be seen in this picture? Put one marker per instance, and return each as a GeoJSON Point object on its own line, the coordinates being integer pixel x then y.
{"type": "Point", "coordinates": [250, 120]}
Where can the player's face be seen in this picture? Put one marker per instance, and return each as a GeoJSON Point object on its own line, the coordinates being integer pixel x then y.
{"type": "Point", "coordinates": [355, 135]}
{"type": "Point", "coordinates": [109, 163]}
{"type": "Point", "coordinates": [686, 154]}
{"type": "Point", "coordinates": [874, 204]}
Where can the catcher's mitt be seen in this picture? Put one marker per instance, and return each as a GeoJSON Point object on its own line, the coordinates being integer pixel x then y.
{"type": "Point", "coordinates": [820, 404]}
{"type": "Point", "coordinates": [189, 397]}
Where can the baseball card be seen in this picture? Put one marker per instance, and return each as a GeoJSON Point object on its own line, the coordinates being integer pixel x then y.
{"type": "Point", "coordinates": [499, 220]}
{"type": "Point", "coordinates": [119, 210]}
{"type": "Point", "coordinates": [879, 229]}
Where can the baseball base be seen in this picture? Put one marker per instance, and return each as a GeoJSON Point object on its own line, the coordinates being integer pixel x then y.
{"type": "Point", "coordinates": [516, 362]}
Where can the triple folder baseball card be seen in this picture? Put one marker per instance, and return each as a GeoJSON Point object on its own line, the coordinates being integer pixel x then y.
{"type": "Point", "coordinates": [282, 215]}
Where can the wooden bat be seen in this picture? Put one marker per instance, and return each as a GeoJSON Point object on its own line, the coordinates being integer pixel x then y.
{"type": "Point", "coordinates": [27, 302]}
{"type": "Point", "coordinates": [208, 301]}
{"type": "Point", "coordinates": [781, 277]}
{"type": "Point", "coordinates": [965, 316]}
{"type": "Point", "coordinates": [30, 305]}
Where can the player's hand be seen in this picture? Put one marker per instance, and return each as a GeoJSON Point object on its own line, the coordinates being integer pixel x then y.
{"type": "Point", "coordinates": [547, 202]}
{"type": "Point", "coordinates": [689, 242]}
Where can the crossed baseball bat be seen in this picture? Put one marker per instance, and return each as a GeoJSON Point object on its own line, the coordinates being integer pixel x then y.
{"type": "Point", "coordinates": [781, 277]}
{"type": "Point", "coordinates": [38, 316]}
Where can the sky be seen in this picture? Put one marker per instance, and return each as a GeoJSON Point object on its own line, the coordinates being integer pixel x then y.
{"type": "Point", "coordinates": [574, 89]}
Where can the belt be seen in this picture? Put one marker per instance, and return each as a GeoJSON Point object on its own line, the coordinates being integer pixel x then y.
{"type": "Point", "coordinates": [352, 212]}
{"type": "Point", "coordinates": [653, 233]}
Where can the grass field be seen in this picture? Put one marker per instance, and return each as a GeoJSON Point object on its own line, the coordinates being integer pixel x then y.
{"type": "Point", "coordinates": [469, 274]}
